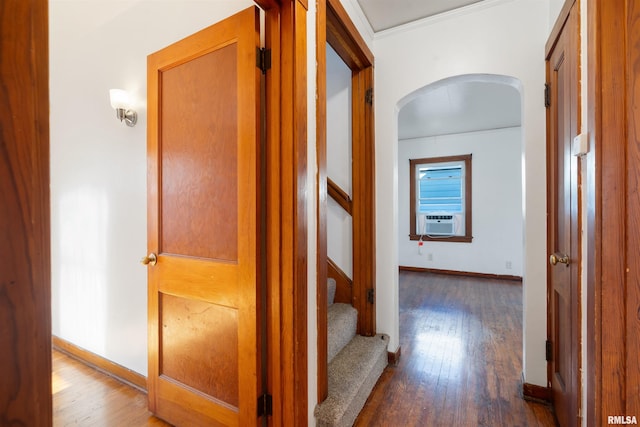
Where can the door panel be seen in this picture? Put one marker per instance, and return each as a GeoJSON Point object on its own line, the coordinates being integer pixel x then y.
{"type": "Point", "coordinates": [564, 225]}
{"type": "Point", "coordinates": [199, 200]}
{"type": "Point", "coordinates": [205, 292]}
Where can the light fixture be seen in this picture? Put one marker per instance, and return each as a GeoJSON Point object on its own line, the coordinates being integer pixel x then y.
{"type": "Point", "coordinates": [121, 101]}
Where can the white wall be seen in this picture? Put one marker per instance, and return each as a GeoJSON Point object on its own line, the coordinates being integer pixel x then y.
{"type": "Point", "coordinates": [554, 10]}
{"type": "Point", "coordinates": [497, 203]}
{"type": "Point", "coordinates": [98, 165]}
{"type": "Point", "coordinates": [339, 163]}
{"type": "Point", "coordinates": [504, 37]}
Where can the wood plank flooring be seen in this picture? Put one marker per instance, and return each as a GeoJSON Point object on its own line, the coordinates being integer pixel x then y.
{"type": "Point", "coordinates": [461, 360]}
{"type": "Point", "coordinates": [461, 365]}
{"type": "Point", "coordinates": [83, 396]}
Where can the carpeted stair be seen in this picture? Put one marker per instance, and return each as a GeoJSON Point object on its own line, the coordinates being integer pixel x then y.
{"type": "Point", "coordinates": [355, 364]}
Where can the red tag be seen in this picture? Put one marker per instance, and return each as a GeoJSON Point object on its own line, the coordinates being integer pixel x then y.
{"type": "Point", "coordinates": [420, 243]}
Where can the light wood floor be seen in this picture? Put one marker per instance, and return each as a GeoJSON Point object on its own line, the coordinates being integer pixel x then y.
{"type": "Point", "coordinates": [461, 365]}
{"type": "Point", "coordinates": [461, 360]}
{"type": "Point", "coordinates": [85, 397]}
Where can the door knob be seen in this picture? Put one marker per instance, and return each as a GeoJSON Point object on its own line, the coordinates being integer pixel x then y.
{"type": "Point", "coordinates": [559, 258]}
{"type": "Point", "coordinates": [150, 259]}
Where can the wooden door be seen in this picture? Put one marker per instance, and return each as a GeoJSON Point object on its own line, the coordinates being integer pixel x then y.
{"type": "Point", "coordinates": [204, 173]}
{"type": "Point", "coordinates": [563, 224]}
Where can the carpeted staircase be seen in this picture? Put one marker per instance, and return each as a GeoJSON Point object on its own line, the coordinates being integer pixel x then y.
{"type": "Point", "coordinates": [355, 364]}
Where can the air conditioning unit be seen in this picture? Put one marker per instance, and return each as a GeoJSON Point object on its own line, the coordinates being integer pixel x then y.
{"type": "Point", "coordinates": [439, 225]}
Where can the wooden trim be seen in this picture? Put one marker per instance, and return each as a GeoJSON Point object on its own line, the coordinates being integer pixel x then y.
{"type": "Point", "coordinates": [536, 393]}
{"type": "Point", "coordinates": [393, 358]}
{"type": "Point", "coordinates": [557, 27]}
{"type": "Point", "coordinates": [456, 239]}
{"type": "Point", "coordinates": [292, 196]}
{"type": "Point", "coordinates": [631, 300]}
{"type": "Point", "coordinates": [593, 234]}
{"type": "Point", "coordinates": [612, 211]}
{"type": "Point", "coordinates": [97, 362]}
{"type": "Point", "coordinates": [340, 196]}
{"type": "Point", "coordinates": [462, 273]}
{"type": "Point", "coordinates": [364, 214]}
{"type": "Point", "coordinates": [275, 381]}
{"type": "Point", "coordinates": [344, 285]}
{"type": "Point", "coordinates": [323, 190]}
{"type": "Point", "coordinates": [344, 38]}
{"type": "Point", "coordinates": [25, 251]}
{"type": "Point", "coordinates": [468, 203]}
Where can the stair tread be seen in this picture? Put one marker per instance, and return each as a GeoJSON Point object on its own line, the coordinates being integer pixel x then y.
{"type": "Point", "coordinates": [342, 320]}
{"type": "Point", "coordinates": [352, 375]}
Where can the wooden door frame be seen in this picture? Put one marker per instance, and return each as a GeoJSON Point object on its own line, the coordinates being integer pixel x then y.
{"type": "Point", "coordinates": [333, 25]}
{"type": "Point", "coordinates": [568, 23]}
{"type": "Point", "coordinates": [25, 252]}
{"type": "Point", "coordinates": [613, 234]}
{"type": "Point", "coordinates": [286, 206]}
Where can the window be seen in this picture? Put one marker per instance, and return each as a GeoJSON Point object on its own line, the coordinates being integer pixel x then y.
{"type": "Point", "coordinates": [440, 190]}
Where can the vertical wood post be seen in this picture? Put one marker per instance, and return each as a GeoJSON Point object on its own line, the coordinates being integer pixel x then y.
{"type": "Point", "coordinates": [25, 265]}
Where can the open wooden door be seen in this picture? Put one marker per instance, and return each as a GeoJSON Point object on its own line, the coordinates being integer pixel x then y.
{"type": "Point", "coordinates": [204, 233]}
{"type": "Point", "coordinates": [564, 224]}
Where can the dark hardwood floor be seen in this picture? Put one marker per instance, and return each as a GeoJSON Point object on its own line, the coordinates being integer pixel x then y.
{"type": "Point", "coordinates": [461, 365]}
{"type": "Point", "coordinates": [83, 396]}
{"type": "Point", "coordinates": [461, 360]}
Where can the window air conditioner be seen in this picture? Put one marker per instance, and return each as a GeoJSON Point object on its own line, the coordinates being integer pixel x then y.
{"type": "Point", "coordinates": [440, 225]}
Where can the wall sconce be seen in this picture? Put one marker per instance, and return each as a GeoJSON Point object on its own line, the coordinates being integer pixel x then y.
{"type": "Point", "coordinates": [121, 101]}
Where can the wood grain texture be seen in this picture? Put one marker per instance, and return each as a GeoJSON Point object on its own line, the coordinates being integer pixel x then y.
{"type": "Point", "coordinates": [461, 359]}
{"type": "Point", "coordinates": [364, 212]}
{"type": "Point", "coordinates": [324, 191]}
{"type": "Point", "coordinates": [632, 232]}
{"type": "Point", "coordinates": [199, 161]}
{"type": "Point", "coordinates": [25, 280]}
{"type": "Point", "coordinates": [344, 38]}
{"type": "Point", "coordinates": [612, 327]}
{"type": "Point", "coordinates": [278, 374]}
{"type": "Point", "coordinates": [339, 195]}
{"type": "Point", "coordinates": [84, 396]}
{"type": "Point", "coordinates": [564, 221]}
{"type": "Point", "coordinates": [200, 346]}
{"type": "Point", "coordinates": [344, 285]}
{"type": "Point", "coordinates": [536, 393]}
{"type": "Point", "coordinates": [101, 364]}
{"type": "Point", "coordinates": [206, 303]}
{"type": "Point", "coordinates": [293, 215]}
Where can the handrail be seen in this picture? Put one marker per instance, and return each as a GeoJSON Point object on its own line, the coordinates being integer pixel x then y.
{"type": "Point", "coordinates": [340, 196]}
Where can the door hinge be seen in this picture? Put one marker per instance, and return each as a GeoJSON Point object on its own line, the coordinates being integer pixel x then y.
{"type": "Point", "coordinates": [547, 95]}
{"type": "Point", "coordinates": [548, 351]}
{"type": "Point", "coordinates": [263, 59]}
{"type": "Point", "coordinates": [265, 405]}
{"type": "Point", "coordinates": [371, 293]}
{"type": "Point", "coordinates": [368, 96]}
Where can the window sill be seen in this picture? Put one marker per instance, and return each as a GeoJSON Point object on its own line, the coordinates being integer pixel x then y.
{"type": "Point", "coordinates": [444, 239]}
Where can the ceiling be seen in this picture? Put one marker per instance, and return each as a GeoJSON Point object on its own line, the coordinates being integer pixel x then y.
{"type": "Point", "coordinates": [385, 14]}
{"type": "Point", "coordinates": [460, 107]}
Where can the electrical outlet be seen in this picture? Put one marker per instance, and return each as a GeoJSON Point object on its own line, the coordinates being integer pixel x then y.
{"type": "Point", "coordinates": [429, 257]}
{"type": "Point", "coordinates": [508, 265]}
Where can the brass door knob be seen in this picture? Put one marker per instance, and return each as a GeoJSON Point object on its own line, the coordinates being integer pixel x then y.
{"type": "Point", "coordinates": [150, 259]}
{"type": "Point", "coordinates": [559, 258]}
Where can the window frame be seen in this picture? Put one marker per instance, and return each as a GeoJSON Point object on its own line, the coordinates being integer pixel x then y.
{"type": "Point", "coordinates": [413, 166]}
